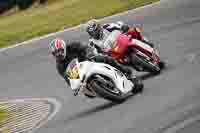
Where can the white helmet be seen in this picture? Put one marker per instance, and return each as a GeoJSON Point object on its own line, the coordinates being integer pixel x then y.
{"type": "Point", "coordinates": [58, 48]}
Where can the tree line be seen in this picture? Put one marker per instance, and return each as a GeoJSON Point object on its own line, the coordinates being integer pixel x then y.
{"type": "Point", "coordinates": [21, 4]}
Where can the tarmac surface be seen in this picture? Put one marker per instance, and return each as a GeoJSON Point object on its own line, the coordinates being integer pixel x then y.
{"type": "Point", "coordinates": [169, 102]}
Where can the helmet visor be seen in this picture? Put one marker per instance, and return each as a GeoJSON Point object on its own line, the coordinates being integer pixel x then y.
{"type": "Point", "coordinates": [96, 33]}
{"type": "Point", "coordinates": [58, 53]}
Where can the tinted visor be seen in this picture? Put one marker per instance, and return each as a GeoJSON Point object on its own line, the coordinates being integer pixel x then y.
{"type": "Point", "coordinates": [58, 53]}
{"type": "Point", "coordinates": [95, 31]}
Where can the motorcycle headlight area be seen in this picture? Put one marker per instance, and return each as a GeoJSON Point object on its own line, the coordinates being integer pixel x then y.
{"type": "Point", "coordinates": [72, 71]}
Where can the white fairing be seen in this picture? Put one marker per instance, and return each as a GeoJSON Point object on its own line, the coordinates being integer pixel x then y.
{"type": "Point", "coordinates": [75, 83]}
{"type": "Point", "coordinates": [89, 68]}
{"type": "Point", "coordinates": [143, 45]}
{"type": "Point", "coordinates": [108, 39]}
{"type": "Point", "coordinates": [108, 44]}
{"type": "Point", "coordinates": [113, 25]}
{"type": "Point", "coordinates": [101, 41]}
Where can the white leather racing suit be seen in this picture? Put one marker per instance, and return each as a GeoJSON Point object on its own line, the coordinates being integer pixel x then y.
{"type": "Point", "coordinates": [107, 40]}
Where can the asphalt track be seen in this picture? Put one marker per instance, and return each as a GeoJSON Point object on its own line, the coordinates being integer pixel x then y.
{"type": "Point", "coordinates": [170, 101]}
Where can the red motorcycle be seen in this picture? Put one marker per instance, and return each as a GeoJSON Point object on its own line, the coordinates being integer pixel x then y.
{"type": "Point", "coordinates": [138, 54]}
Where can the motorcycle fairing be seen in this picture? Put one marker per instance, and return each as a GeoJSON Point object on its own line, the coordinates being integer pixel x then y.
{"type": "Point", "coordinates": [87, 69]}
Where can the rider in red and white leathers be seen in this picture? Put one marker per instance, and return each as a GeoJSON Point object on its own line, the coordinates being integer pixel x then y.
{"type": "Point", "coordinates": [99, 34]}
{"type": "Point", "coordinates": [103, 40]}
{"type": "Point", "coordinates": [132, 31]}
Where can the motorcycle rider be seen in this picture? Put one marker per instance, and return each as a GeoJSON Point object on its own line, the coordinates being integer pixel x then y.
{"type": "Point", "coordinates": [133, 32]}
{"type": "Point", "coordinates": [65, 52]}
{"type": "Point", "coordinates": [98, 36]}
{"type": "Point", "coordinates": [98, 33]}
{"type": "Point", "coordinates": [113, 26]}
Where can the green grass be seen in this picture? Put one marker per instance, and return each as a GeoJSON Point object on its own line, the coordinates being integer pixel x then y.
{"type": "Point", "coordinates": [38, 21]}
{"type": "Point", "coordinates": [2, 116]}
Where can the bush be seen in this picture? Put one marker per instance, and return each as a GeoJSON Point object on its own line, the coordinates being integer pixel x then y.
{"type": "Point", "coordinates": [24, 4]}
{"type": "Point", "coordinates": [43, 1]}
{"type": "Point", "coordinates": [6, 5]}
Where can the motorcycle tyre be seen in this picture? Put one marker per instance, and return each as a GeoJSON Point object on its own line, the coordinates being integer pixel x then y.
{"type": "Point", "coordinates": [147, 66]}
{"type": "Point", "coordinates": [104, 93]}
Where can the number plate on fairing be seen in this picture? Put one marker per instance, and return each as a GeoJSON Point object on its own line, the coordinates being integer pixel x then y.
{"type": "Point", "coordinates": [72, 70]}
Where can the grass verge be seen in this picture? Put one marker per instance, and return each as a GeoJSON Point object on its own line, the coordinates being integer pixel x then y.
{"type": "Point", "coordinates": [3, 115]}
{"type": "Point", "coordinates": [38, 21]}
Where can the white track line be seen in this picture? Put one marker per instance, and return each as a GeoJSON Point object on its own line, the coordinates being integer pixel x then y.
{"type": "Point", "coordinates": [184, 123]}
{"type": "Point", "coordinates": [57, 107]}
{"type": "Point", "coordinates": [75, 27]}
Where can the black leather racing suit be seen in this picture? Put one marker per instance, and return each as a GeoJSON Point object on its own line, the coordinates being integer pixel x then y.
{"type": "Point", "coordinates": [84, 52]}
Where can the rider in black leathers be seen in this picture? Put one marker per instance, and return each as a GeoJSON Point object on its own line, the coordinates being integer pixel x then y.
{"type": "Point", "coordinates": [65, 52]}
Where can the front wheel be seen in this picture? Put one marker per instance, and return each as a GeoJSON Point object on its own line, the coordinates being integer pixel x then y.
{"type": "Point", "coordinates": [138, 61]}
{"type": "Point", "coordinates": [99, 85]}
{"type": "Point", "coordinates": [162, 65]}
{"type": "Point", "coordinates": [156, 69]}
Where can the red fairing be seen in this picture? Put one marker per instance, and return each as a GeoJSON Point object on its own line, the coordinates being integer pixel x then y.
{"type": "Point", "coordinates": [120, 46]}
{"type": "Point", "coordinates": [143, 50]}
{"type": "Point", "coordinates": [155, 58]}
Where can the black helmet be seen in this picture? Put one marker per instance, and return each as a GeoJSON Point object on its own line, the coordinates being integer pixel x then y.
{"type": "Point", "coordinates": [125, 28]}
{"type": "Point", "coordinates": [94, 29]}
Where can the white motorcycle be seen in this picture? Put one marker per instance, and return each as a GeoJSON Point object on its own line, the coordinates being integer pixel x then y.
{"type": "Point", "coordinates": [101, 80]}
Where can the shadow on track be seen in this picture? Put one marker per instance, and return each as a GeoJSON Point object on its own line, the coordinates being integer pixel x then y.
{"type": "Point", "coordinates": [147, 76]}
{"type": "Point", "coordinates": [150, 75]}
{"type": "Point", "coordinates": [90, 112]}
{"type": "Point", "coordinates": [107, 105]}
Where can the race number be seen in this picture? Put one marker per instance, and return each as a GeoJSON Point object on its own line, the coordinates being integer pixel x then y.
{"type": "Point", "coordinates": [73, 70]}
